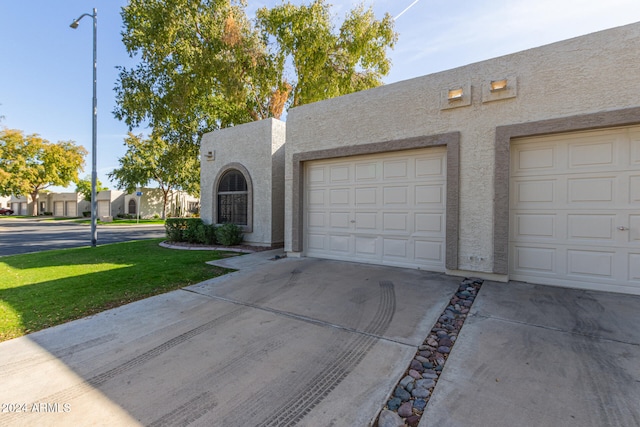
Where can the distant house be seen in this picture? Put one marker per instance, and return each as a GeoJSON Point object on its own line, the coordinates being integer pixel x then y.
{"type": "Point", "coordinates": [150, 203]}
{"type": "Point", "coordinates": [523, 167]}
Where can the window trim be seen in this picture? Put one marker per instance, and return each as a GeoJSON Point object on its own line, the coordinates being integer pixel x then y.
{"type": "Point", "coordinates": [245, 173]}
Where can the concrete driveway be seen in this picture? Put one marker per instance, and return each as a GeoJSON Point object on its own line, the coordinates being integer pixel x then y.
{"type": "Point", "coordinates": [294, 341]}
{"type": "Point", "coordinates": [312, 342]}
{"type": "Point", "coordinates": [532, 355]}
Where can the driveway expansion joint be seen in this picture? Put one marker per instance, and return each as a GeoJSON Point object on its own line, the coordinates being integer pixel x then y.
{"type": "Point", "coordinates": [551, 328]}
{"type": "Point", "coordinates": [301, 318]}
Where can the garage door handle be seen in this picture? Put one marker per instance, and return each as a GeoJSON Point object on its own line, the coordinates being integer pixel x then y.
{"type": "Point", "coordinates": [622, 228]}
{"type": "Point", "coordinates": [353, 221]}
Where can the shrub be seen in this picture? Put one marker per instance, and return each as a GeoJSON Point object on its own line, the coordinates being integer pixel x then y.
{"type": "Point", "coordinates": [190, 230]}
{"type": "Point", "coordinates": [229, 234]}
{"type": "Point", "coordinates": [85, 214]}
{"type": "Point", "coordinates": [174, 228]}
{"type": "Point", "coordinates": [194, 231]}
{"type": "Point", "coordinates": [210, 234]}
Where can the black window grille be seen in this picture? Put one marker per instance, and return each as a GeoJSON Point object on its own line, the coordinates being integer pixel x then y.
{"type": "Point", "coordinates": [132, 207]}
{"type": "Point", "coordinates": [232, 198]}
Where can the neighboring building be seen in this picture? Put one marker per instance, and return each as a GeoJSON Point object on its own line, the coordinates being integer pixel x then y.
{"type": "Point", "coordinates": [109, 203]}
{"type": "Point", "coordinates": [523, 167]}
{"type": "Point", "coordinates": [20, 205]}
{"type": "Point", "coordinates": [150, 204]}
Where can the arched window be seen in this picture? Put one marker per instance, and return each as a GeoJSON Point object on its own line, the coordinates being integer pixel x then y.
{"type": "Point", "coordinates": [233, 198]}
{"type": "Point", "coordinates": [132, 207]}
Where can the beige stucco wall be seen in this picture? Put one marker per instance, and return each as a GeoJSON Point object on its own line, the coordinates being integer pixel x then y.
{"type": "Point", "coordinates": [594, 73]}
{"type": "Point", "coordinates": [151, 202]}
{"type": "Point", "coordinates": [258, 147]}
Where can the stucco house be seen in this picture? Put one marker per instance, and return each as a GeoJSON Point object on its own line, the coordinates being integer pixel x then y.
{"type": "Point", "coordinates": [523, 167]}
{"type": "Point", "coordinates": [150, 203]}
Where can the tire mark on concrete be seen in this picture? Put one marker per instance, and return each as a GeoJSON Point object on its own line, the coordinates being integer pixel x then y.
{"type": "Point", "coordinates": [204, 402]}
{"type": "Point", "coordinates": [187, 413]}
{"type": "Point", "coordinates": [66, 395]}
{"type": "Point", "coordinates": [14, 368]}
{"type": "Point", "coordinates": [314, 391]}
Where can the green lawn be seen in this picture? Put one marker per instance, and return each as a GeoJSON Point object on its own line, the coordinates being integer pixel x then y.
{"type": "Point", "coordinates": [49, 288]}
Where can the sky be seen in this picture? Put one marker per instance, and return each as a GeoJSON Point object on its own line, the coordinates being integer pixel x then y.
{"type": "Point", "coordinates": [46, 67]}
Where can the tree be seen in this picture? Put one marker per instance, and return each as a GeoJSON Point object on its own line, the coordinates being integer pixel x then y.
{"type": "Point", "coordinates": [204, 65]}
{"type": "Point", "coordinates": [29, 164]}
{"type": "Point", "coordinates": [327, 64]}
{"type": "Point", "coordinates": [83, 187]}
{"type": "Point", "coordinates": [156, 160]}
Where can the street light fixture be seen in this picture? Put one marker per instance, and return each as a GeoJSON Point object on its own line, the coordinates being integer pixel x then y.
{"type": "Point", "coordinates": [94, 127]}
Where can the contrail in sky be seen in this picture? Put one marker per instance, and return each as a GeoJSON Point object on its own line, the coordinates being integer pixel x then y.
{"type": "Point", "coordinates": [408, 7]}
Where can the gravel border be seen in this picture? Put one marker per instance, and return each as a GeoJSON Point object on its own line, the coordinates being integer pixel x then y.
{"type": "Point", "coordinates": [411, 395]}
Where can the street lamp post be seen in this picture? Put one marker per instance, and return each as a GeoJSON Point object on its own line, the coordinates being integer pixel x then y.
{"type": "Point", "coordinates": [94, 125]}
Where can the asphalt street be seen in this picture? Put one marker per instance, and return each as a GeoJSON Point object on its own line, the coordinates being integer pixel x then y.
{"type": "Point", "coordinates": [19, 235]}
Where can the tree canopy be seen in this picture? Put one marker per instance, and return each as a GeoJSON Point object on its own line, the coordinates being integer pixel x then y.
{"type": "Point", "coordinates": [204, 65]}
{"type": "Point", "coordinates": [154, 160]}
{"type": "Point", "coordinates": [29, 164]}
{"type": "Point", "coordinates": [83, 187]}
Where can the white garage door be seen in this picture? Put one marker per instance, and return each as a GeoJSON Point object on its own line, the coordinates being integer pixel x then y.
{"type": "Point", "coordinates": [381, 209]}
{"type": "Point", "coordinates": [58, 208]}
{"type": "Point", "coordinates": [575, 210]}
{"type": "Point", "coordinates": [72, 208]}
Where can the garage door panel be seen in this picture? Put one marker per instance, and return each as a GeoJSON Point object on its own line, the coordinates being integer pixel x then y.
{"type": "Point", "coordinates": [574, 204]}
{"type": "Point", "coordinates": [316, 175]}
{"type": "Point", "coordinates": [339, 174]}
{"type": "Point", "coordinates": [536, 225]}
{"type": "Point", "coordinates": [634, 189]}
{"type": "Point", "coordinates": [429, 223]}
{"type": "Point", "coordinates": [534, 259]}
{"type": "Point", "coordinates": [386, 208]}
{"type": "Point", "coordinates": [634, 149]}
{"type": "Point", "coordinates": [535, 159]}
{"type": "Point", "coordinates": [339, 219]}
{"type": "Point", "coordinates": [394, 248]}
{"type": "Point", "coordinates": [316, 197]}
{"type": "Point", "coordinates": [366, 196]}
{"type": "Point", "coordinates": [590, 263]}
{"type": "Point", "coordinates": [589, 226]}
{"type": "Point", "coordinates": [395, 195]}
{"type": "Point", "coordinates": [429, 167]}
{"type": "Point", "coordinates": [366, 245]}
{"type": "Point", "coordinates": [429, 194]}
{"type": "Point", "coordinates": [316, 241]}
{"type": "Point", "coordinates": [366, 171]}
{"type": "Point", "coordinates": [589, 155]}
{"type": "Point", "coordinates": [315, 219]}
{"type": "Point", "coordinates": [339, 196]}
{"type": "Point", "coordinates": [535, 191]}
{"type": "Point", "coordinates": [339, 243]}
{"type": "Point", "coordinates": [395, 169]}
{"type": "Point", "coordinates": [633, 229]}
{"type": "Point", "coordinates": [429, 251]}
{"type": "Point", "coordinates": [591, 190]}
{"type": "Point", "coordinates": [395, 222]}
{"type": "Point", "coordinates": [634, 267]}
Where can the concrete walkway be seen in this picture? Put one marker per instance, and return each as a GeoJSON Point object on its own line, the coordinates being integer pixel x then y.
{"type": "Point", "coordinates": [541, 356]}
{"type": "Point", "coordinates": [292, 341]}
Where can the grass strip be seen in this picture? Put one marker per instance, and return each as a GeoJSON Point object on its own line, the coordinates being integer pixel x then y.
{"type": "Point", "coordinates": [44, 289]}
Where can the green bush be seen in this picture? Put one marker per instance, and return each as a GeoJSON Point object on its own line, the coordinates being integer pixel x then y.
{"type": "Point", "coordinates": [190, 230]}
{"type": "Point", "coordinates": [174, 228]}
{"type": "Point", "coordinates": [229, 234]}
{"type": "Point", "coordinates": [210, 234]}
{"type": "Point", "coordinates": [194, 231]}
